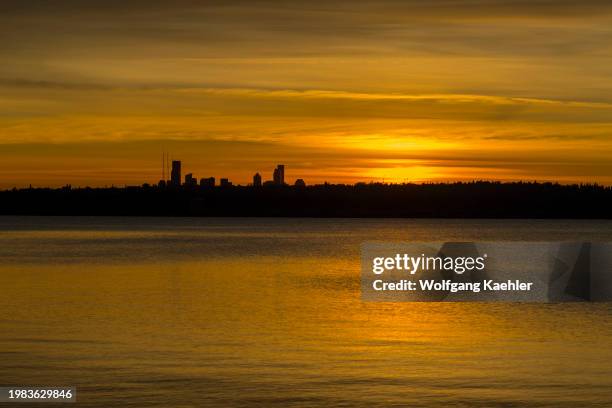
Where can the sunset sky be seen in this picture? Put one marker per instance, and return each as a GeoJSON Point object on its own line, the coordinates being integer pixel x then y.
{"type": "Point", "coordinates": [92, 92]}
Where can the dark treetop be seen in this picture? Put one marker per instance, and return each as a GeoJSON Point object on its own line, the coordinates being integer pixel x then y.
{"type": "Point", "coordinates": [457, 200]}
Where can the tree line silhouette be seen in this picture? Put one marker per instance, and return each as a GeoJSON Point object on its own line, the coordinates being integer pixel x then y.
{"type": "Point", "coordinates": [436, 200]}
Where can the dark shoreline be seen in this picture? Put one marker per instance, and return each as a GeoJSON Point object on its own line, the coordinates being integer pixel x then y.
{"type": "Point", "coordinates": [456, 200]}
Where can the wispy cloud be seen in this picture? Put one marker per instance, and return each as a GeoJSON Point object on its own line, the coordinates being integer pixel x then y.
{"type": "Point", "coordinates": [514, 88]}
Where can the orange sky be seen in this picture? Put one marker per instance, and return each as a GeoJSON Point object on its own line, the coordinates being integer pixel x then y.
{"type": "Point", "coordinates": [92, 93]}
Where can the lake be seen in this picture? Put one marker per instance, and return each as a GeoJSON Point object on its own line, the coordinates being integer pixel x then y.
{"type": "Point", "coordinates": [179, 312]}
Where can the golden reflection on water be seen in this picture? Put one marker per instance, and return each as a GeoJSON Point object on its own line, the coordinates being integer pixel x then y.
{"type": "Point", "coordinates": [241, 327]}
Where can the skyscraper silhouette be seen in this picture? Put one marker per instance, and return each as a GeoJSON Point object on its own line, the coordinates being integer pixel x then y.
{"type": "Point", "coordinates": [175, 175]}
{"type": "Point", "coordinates": [279, 175]}
{"type": "Point", "coordinates": [190, 180]}
{"type": "Point", "coordinates": [257, 180]}
{"type": "Point", "coordinates": [207, 182]}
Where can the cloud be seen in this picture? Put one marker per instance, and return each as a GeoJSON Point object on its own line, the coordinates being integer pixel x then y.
{"type": "Point", "coordinates": [461, 81]}
{"type": "Point", "coordinates": [212, 105]}
{"type": "Point", "coordinates": [41, 84]}
{"type": "Point", "coordinates": [188, 30]}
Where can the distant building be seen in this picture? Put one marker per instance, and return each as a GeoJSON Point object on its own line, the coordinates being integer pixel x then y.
{"type": "Point", "coordinates": [175, 175]}
{"type": "Point", "coordinates": [225, 182]}
{"type": "Point", "coordinates": [161, 184]}
{"type": "Point", "coordinates": [190, 180]}
{"type": "Point", "coordinates": [300, 183]}
{"type": "Point", "coordinates": [279, 175]}
{"type": "Point", "coordinates": [207, 182]}
{"type": "Point", "coordinates": [257, 180]}
{"type": "Point", "coordinates": [268, 183]}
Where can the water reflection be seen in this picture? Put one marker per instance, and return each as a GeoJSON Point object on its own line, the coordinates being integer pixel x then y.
{"type": "Point", "coordinates": [268, 312]}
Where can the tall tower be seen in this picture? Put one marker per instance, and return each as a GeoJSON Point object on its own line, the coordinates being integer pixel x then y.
{"type": "Point", "coordinates": [279, 175]}
{"type": "Point", "coordinates": [257, 180]}
{"type": "Point", "coordinates": [175, 175]}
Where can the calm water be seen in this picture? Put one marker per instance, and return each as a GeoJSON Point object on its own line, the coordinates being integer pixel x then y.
{"type": "Point", "coordinates": [266, 312]}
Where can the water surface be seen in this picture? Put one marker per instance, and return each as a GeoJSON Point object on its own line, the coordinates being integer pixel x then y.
{"type": "Point", "coordinates": [267, 312]}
